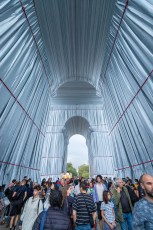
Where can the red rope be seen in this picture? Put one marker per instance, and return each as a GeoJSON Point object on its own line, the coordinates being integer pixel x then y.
{"type": "Point", "coordinates": [50, 174]}
{"type": "Point", "coordinates": [21, 106]}
{"type": "Point", "coordinates": [131, 101]}
{"type": "Point", "coordinates": [18, 165]}
{"type": "Point", "coordinates": [24, 11]}
{"type": "Point", "coordinates": [142, 163]}
{"type": "Point", "coordinates": [125, 7]}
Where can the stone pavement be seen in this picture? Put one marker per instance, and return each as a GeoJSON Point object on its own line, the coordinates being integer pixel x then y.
{"type": "Point", "coordinates": [2, 227]}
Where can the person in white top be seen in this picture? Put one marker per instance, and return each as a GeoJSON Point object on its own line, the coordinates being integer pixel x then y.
{"type": "Point", "coordinates": [99, 188]}
{"type": "Point", "coordinates": [31, 209]}
{"type": "Point", "coordinates": [107, 211]}
{"type": "Point", "coordinates": [77, 188]}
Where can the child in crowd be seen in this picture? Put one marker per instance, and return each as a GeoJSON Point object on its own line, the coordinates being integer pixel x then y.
{"type": "Point", "coordinates": [107, 211]}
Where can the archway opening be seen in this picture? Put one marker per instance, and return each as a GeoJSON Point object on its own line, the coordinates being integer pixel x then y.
{"type": "Point", "coordinates": [76, 135]}
{"type": "Point", "coordinates": [77, 152]}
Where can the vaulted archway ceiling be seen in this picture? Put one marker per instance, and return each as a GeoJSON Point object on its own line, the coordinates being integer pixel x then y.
{"type": "Point", "coordinates": [75, 35]}
{"type": "Point", "coordinates": [77, 125]}
{"type": "Point", "coordinates": [76, 93]}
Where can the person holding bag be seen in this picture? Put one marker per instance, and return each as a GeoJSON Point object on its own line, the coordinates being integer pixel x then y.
{"type": "Point", "coordinates": [17, 202]}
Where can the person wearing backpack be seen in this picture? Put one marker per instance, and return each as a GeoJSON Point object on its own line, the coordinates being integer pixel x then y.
{"type": "Point", "coordinates": [18, 199]}
{"type": "Point", "coordinates": [31, 209]}
{"type": "Point", "coordinates": [10, 190]}
{"type": "Point", "coordinates": [54, 217]}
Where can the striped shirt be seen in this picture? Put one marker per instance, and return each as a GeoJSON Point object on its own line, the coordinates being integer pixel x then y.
{"type": "Point", "coordinates": [80, 205]}
{"type": "Point", "coordinates": [107, 208]}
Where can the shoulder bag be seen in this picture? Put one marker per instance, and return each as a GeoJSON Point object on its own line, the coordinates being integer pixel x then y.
{"type": "Point", "coordinates": [5, 201]}
{"type": "Point", "coordinates": [43, 220]}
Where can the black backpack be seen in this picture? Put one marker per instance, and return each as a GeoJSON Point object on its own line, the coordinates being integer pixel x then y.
{"type": "Point", "coordinates": [9, 193]}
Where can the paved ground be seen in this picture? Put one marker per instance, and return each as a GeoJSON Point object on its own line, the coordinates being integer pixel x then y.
{"type": "Point", "coordinates": [3, 227]}
{"type": "Point", "coordinates": [98, 228]}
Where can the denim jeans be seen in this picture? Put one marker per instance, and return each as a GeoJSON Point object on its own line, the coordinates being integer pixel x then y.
{"type": "Point", "coordinates": [106, 226]}
{"type": "Point", "coordinates": [127, 223]}
{"type": "Point", "coordinates": [83, 227]}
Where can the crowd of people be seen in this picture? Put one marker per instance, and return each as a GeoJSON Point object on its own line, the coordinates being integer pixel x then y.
{"type": "Point", "coordinates": [78, 203]}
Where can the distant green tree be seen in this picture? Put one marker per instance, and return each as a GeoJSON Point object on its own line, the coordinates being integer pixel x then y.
{"type": "Point", "coordinates": [83, 171]}
{"type": "Point", "coordinates": [71, 169]}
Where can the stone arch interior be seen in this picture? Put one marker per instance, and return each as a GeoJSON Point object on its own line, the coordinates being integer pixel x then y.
{"type": "Point", "coordinates": [77, 125]}
{"type": "Point", "coordinates": [76, 92]}
{"type": "Point", "coordinates": [65, 121]}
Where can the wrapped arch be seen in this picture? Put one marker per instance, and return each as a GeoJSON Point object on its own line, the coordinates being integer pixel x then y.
{"type": "Point", "coordinates": [51, 47]}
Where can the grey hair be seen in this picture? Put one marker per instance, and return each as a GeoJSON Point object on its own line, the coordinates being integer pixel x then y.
{"type": "Point", "coordinates": [117, 179]}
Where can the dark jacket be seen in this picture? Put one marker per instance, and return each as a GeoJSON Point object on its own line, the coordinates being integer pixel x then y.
{"type": "Point", "coordinates": [55, 220]}
{"type": "Point", "coordinates": [132, 194]}
{"type": "Point", "coordinates": [116, 198]}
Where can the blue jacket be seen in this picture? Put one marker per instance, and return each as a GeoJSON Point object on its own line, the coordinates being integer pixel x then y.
{"type": "Point", "coordinates": [95, 192]}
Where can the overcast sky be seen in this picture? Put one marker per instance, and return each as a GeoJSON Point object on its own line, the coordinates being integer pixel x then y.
{"type": "Point", "coordinates": [77, 151]}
